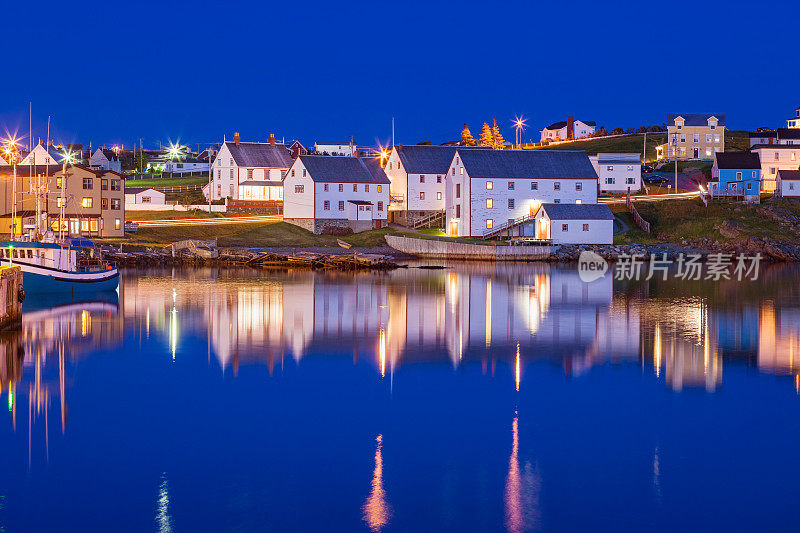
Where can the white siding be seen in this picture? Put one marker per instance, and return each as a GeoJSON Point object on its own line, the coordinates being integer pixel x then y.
{"type": "Point", "coordinates": [774, 159]}
{"type": "Point", "coordinates": [616, 177]}
{"type": "Point", "coordinates": [397, 176]}
{"type": "Point", "coordinates": [298, 204]}
{"type": "Point", "coordinates": [788, 188]}
{"type": "Point", "coordinates": [333, 196]}
{"type": "Point", "coordinates": [596, 232]}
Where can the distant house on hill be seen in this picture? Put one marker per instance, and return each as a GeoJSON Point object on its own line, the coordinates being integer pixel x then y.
{"type": "Point", "coordinates": [143, 195]}
{"type": "Point", "coordinates": [693, 136]}
{"type": "Point", "coordinates": [346, 148]}
{"type": "Point", "coordinates": [568, 129]}
{"type": "Point", "coordinates": [43, 156]}
{"type": "Point", "coordinates": [105, 159]}
{"type": "Point", "coordinates": [297, 149]}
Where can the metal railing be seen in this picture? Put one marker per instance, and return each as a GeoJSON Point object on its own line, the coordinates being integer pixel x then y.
{"type": "Point", "coordinates": [507, 226]}
{"type": "Point", "coordinates": [429, 220]}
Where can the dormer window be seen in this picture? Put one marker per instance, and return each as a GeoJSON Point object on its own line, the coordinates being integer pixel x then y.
{"type": "Point", "coordinates": [679, 124]}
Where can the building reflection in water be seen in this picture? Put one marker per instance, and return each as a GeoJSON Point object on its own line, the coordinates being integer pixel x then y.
{"type": "Point", "coordinates": [376, 509]}
{"type": "Point", "coordinates": [521, 496]}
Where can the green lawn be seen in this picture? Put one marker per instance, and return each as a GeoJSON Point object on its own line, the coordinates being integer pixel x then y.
{"type": "Point", "coordinates": [157, 215]}
{"type": "Point", "coordinates": [167, 182]}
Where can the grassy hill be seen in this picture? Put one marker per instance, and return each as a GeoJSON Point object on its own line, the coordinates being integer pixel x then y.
{"type": "Point", "coordinates": [735, 140]}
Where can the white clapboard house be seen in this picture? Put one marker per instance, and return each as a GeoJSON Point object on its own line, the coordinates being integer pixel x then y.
{"type": "Point", "coordinates": [492, 190]}
{"type": "Point", "coordinates": [333, 193]}
{"type": "Point", "coordinates": [239, 162]}
{"type": "Point", "coordinates": [41, 155]}
{"type": "Point", "coordinates": [574, 223]}
{"type": "Point", "coordinates": [618, 173]}
{"type": "Point", "coordinates": [417, 175]}
{"type": "Point", "coordinates": [143, 196]}
{"type": "Point", "coordinates": [788, 184]}
{"type": "Point", "coordinates": [105, 159]}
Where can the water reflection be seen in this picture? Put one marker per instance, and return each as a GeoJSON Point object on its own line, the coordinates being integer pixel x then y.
{"type": "Point", "coordinates": [377, 511]}
{"type": "Point", "coordinates": [522, 489]}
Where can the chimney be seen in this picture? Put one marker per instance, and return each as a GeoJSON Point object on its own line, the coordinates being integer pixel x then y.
{"type": "Point", "coordinates": [570, 127]}
{"type": "Point", "coordinates": [272, 139]}
{"type": "Point", "coordinates": [236, 138]}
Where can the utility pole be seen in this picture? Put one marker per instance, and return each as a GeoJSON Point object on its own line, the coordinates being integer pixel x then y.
{"type": "Point", "coordinates": [393, 132]}
{"type": "Point", "coordinates": [675, 143]}
{"type": "Point", "coordinates": [644, 148]}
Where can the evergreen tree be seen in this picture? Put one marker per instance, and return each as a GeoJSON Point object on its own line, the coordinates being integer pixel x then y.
{"type": "Point", "coordinates": [487, 139]}
{"type": "Point", "coordinates": [497, 138]}
{"type": "Point", "coordinates": [466, 137]}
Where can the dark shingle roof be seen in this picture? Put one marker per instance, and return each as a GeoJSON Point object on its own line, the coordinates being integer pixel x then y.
{"type": "Point", "coordinates": [322, 168]}
{"type": "Point", "coordinates": [788, 133]}
{"type": "Point", "coordinates": [738, 160]}
{"type": "Point", "coordinates": [762, 134]}
{"type": "Point", "coordinates": [695, 119]}
{"type": "Point", "coordinates": [374, 167]}
{"type": "Point", "coordinates": [790, 175]}
{"type": "Point", "coordinates": [137, 190]}
{"type": "Point", "coordinates": [262, 155]}
{"type": "Point", "coordinates": [563, 124]}
{"type": "Point", "coordinates": [527, 164]}
{"type": "Point", "coordinates": [428, 159]}
{"type": "Point", "coordinates": [110, 154]}
{"type": "Point", "coordinates": [578, 211]}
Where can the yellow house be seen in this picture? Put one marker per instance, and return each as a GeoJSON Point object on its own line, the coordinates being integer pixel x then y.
{"type": "Point", "coordinates": [693, 136]}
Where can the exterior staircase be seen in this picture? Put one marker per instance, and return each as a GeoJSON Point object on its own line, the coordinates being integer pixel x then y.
{"type": "Point", "coordinates": [435, 220]}
{"type": "Point", "coordinates": [498, 230]}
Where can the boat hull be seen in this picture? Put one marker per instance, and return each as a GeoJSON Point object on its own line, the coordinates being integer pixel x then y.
{"type": "Point", "coordinates": [37, 279]}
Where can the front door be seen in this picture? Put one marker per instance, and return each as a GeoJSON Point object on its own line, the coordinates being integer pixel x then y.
{"type": "Point", "coordinates": [541, 229]}
{"type": "Point", "coordinates": [454, 229]}
{"type": "Point", "coordinates": [696, 153]}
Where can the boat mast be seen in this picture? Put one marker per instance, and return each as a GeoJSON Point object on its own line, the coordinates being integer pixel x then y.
{"type": "Point", "coordinates": [61, 207]}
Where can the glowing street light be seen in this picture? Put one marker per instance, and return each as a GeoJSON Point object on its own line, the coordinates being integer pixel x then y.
{"type": "Point", "coordinates": [519, 126]}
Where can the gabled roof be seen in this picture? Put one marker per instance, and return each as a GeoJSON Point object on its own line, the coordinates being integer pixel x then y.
{"type": "Point", "coordinates": [563, 124]}
{"type": "Point", "coordinates": [788, 133]}
{"type": "Point", "coordinates": [763, 134]}
{"type": "Point", "coordinates": [695, 119]}
{"type": "Point", "coordinates": [260, 155]}
{"type": "Point", "coordinates": [610, 158]}
{"type": "Point", "coordinates": [24, 171]}
{"type": "Point", "coordinates": [578, 211]}
{"type": "Point", "coordinates": [111, 155]}
{"type": "Point", "coordinates": [789, 175]}
{"type": "Point", "coordinates": [527, 164]}
{"type": "Point", "coordinates": [428, 159]}
{"type": "Point", "coordinates": [325, 168]}
{"type": "Point", "coordinates": [137, 190]}
{"type": "Point", "coordinates": [738, 161]}
{"type": "Point", "coordinates": [776, 146]}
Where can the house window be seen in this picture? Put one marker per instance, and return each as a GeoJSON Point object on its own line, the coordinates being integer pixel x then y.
{"type": "Point", "coordinates": [380, 206]}
{"type": "Point", "coordinates": [511, 203]}
{"type": "Point", "coordinates": [791, 186]}
{"type": "Point", "coordinates": [379, 188]}
{"type": "Point", "coordinates": [738, 176]}
{"type": "Point", "coordinates": [749, 185]}
{"type": "Point", "coordinates": [708, 137]}
{"type": "Point", "coordinates": [534, 185]}
{"type": "Point", "coordinates": [58, 202]}
{"type": "Point", "coordinates": [696, 138]}
{"type": "Point", "coordinates": [458, 210]}
{"type": "Point", "coordinates": [230, 162]}
{"type": "Point", "coordinates": [754, 174]}
{"type": "Point", "coordinates": [298, 189]}
{"type": "Point", "coordinates": [87, 183]}
{"type": "Point", "coordinates": [792, 156]}
{"type": "Point", "coordinates": [249, 173]}
{"type": "Point", "coordinates": [115, 185]}
{"type": "Point", "coordinates": [230, 174]}
{"type": "Point", "coordinates": [325, 187]}
{"type": "Point", "coordinates": [355, 187]}
{"type": "Point", "coordinates": [145, 199]}
{"type": "Point", "coordinates": [58, 183]}
{"type": "Point", "coordinates": [631, 181]}
{"type": "Point", "coordinates": [713, 125]}
{"type": "Point", "coordinates": [326, 205]}
{"type": "Point", "coordinates": [609, 181]}
{"type": "Point", "coordinates": [510, 185]}
{"type": "Point", "coordinates": [292, 172]}
{"type": "Point", "coordinates": [610, 168]}
{"type": "Point", "coordinates": [679, 124]}
{"type": "Point", "coordinates": [438, 179]}
{"type": "Point", "coordinates": [489, 223]}
{"type": "Point", "coordinates": [454, 172]}
{"type": "Point", "coordinates": [489, 203]}
{"type": "Point", "coordinates": [579, 186]}
{"type": "Point", "coordinates": [683, 150]}
{"type": "Point", "coordinates": [421, 178]}
{"type": "Point", "coordinates": [305, 172]}
{"type": "Point", "coordinates": [87, 202]}
{"type": "Point", "coordinates": [557, 201]}
{"type": "Point", "coordinates": [85, 225]}
{"type": "Point", "coordinates": [92, 227]}
{"type": "Point", "coordinates": [103, 203]}
{"type": "Point", "coordinates": [438, 196]}
{"type": "Point", "coordinates": [557, 186]}
{"type": "Point", "coordinates": [283, 173]}
{"type": "Point", "coordinates": [586, 227]}
{"type": "Point", "coordinates": [716, 137]}
{"type": "Point", "coordinates": [489, 185]}
{"type": "Point", "coordinates": [564, 227]}
{"type": "Point", "coordinates": [219, 174]}
{"type": "Point", "coordinates": [103, 185]}
{"type": "Point", "coordinates": [422, 195]}
{"type": "Point", "coordinates": [116, 223]}
{"type": "Point", "coordinates": [458, 190]}
{"type": "Point", "coordinates": [708, 152]}
{"type": "Point", "coordinates": [231, 191]}
{"type": "Point", "coordinates": [683, 137]}
{"type": "Point", "coordinates": [777, 156]}
{"type": "Point", "coordinates": [341, 206]}
{"type": "Point", "coordinates": [462, 170]}
{"type": "Point", "coordinates": [366, 187]}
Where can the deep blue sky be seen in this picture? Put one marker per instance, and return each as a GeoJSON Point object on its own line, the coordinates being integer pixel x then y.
{"type": "Point", "coordinates": [195, 71]}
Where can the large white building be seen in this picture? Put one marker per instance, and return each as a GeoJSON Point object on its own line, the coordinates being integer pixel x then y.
{"type": "Point", "coordinates": [491, 189]}
{"type": "Point", "coordinates": [618, 173]}
{"type": "Point", "coordinates": [333, 193]}
{"type": "Point", "coordinates": [568, 129]}
{"type": "Point", "coordinates": [775, 157]}
{"type": "Point", "coordinates": [347, 148]}
{"type": "Point", "coordinates": [238, 162]}
{"type": "Point", "coordinates": [417, 175]}
{"type": "Point", "coordinates": [185, 166]}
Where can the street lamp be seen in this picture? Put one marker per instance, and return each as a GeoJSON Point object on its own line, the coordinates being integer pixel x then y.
{"type": "Point", "coordinates": [173, 152]}
{"type": "Point", "coordinates": [519, 126]}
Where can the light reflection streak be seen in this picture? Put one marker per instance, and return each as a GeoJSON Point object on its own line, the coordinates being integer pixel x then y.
{"type": "Point", "coordinates": [521, 496]}
{"type": "Point", "coordinates": [163, 519]}
{"type": "Point", "coordinates": [376, 509]}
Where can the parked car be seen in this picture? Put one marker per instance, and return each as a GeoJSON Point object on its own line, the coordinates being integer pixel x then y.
{"type": "Point", "coordinates": [647, 169]}
{"type": "Point", "coordinates": [659, 181]}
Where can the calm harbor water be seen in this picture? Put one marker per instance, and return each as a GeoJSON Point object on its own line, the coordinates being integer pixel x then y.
{"type": "Point", "coordinates": [477, 398]}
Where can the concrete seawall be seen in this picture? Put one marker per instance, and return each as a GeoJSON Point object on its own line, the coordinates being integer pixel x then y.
{"type": "Point", "coordinates": [10, 297]}
{"type": "Point", "coordinates": [441, 249]}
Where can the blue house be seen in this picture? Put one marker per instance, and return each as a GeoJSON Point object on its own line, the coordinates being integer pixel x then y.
{"type": "Point", "coordinates": [736, 175]}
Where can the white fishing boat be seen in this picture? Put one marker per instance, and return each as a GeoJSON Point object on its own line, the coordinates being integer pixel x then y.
{"type": "Point", "coordinates": [70, 265]}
